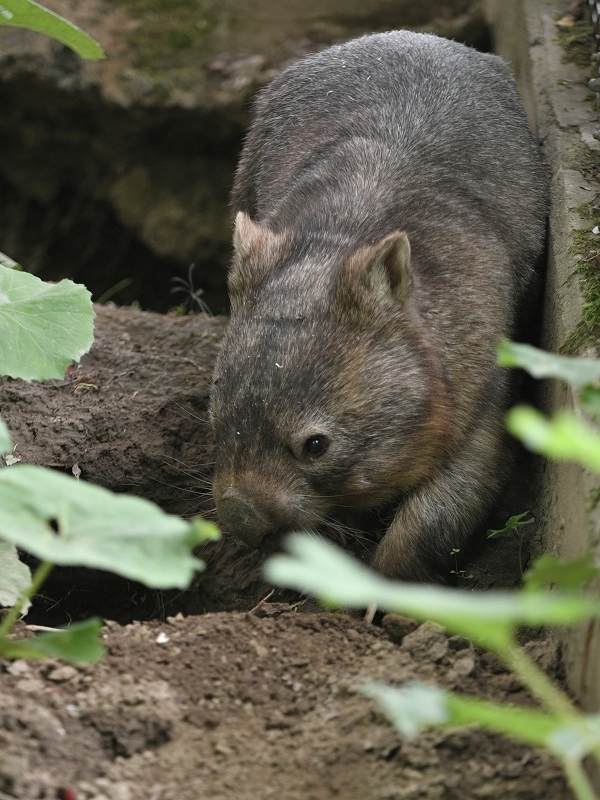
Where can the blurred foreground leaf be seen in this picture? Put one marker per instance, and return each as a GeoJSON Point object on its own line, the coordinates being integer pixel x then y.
{"type": "Point", "coordinates": [15, 576]}
{"type": "Point", "coordinates": [43, 326]}
{"type": "Point", "coordinates": [28, 14]}
{"type": "Point", "coordinates": [564, 437]}
{"type": "Point", "coordinates": [6, 444]}
{"type": "Point", "coordinates": [568, 576]}
{"type": "Point", "coordinates": [417, 706]}
{"type": "Point", "coordinates": [589, 397]}
{"type": "Point", "coordinates": [319, 568]}
{"type": "Point", "coordinates": [541, 364]}
{"type": "Point", "coordinates": [6, 261]}
{"type": "Point", "coordinates": [65, 521]}
{"type": "Point", "coordinates": [77, 644]}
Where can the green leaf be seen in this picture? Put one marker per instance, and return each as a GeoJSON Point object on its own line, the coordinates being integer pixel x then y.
{"type": "Point", "coordinates": [411, 708]}
{"type": "Point", "coordinates": [27, 14]}
{"type": "Point", "coordinates": [6, 444]}
{"type": "Point", "coordinates": [319, 568]}
{"type": "Point", "coordinates": [6, 261]}
{"type": "Point", "coordinates": [568, 576]}
{"type": "Point", "coordinates": [512, 527]}
{"type": "Point", "coordinates": [65, 521]}
{"type": "Point", "coordinates": [77, 644]}
{"type": "Point", "coordinates": [573, 742]}
{"type": "Point", "coordinates": [530, 726]}
{"type": "Point", "coordinates": [202, 531]}
{"type": "Point", "coordinates": [417, 706]}
{"type": "Point", "coordinates": [43, 326]}
{"type": "Point", "coordinates": [15, 576]}
{"type": "Point", "coordinates": [541, 364]}
{"type": "Point", "coordinates": [589, 397]}
{"type": "Point", "coordinates": [564, 437]}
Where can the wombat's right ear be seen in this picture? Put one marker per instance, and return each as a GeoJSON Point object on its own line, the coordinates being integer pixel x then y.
{"type": "Point", "coordinates": [257, 250]}
{"type": "Point", "coordinates": [377, 274]}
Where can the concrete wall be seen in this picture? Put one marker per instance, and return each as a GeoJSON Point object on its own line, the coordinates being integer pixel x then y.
{"type": "Point", "coordinates": [563, 112]}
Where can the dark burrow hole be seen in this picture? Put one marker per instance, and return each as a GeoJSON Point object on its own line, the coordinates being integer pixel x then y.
{"type": "Point", "coordinates": [121, 200]}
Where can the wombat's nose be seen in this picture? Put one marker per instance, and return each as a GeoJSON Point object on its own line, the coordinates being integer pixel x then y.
{"type": "Point", "coordinates": [240, 516]}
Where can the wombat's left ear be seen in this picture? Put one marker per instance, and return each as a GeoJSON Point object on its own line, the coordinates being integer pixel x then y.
{"type": "Point", "coordinates": [380, 271]}
{"type": "Point", "coordinates": [257, 249]}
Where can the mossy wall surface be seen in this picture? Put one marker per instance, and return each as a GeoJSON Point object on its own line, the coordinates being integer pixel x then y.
{"type": "Point", "coordinates": [552, 65]}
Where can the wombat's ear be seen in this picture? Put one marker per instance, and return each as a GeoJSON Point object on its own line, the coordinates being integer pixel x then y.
{"type": "Point", "coordinates": [257, 250]}
{"type": "Point", "coordinates": [380, 271]}
{"type": "Point", "coordinates": [246, 235]}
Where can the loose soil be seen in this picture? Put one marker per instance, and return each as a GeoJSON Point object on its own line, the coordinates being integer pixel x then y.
{"type": "Point", "coordinates": [242, 706]}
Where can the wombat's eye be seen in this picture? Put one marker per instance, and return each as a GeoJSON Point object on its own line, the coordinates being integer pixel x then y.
{"type": "Point", "coordinates": [316, 446]}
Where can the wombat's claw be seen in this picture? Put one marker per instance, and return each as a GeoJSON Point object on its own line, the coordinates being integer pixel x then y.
{"type": "Point", "coordinates": [370, 612]}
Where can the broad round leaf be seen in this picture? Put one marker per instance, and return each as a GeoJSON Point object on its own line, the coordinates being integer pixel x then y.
{"type": "Point", "coordinates": [43, 326]}
{"type": "Point", "coordinates": [28, 14]}
{"type": "Point", "coordinates": [6, 444]}
{"type": "Point", "coordinates": [15, 576]}
{"type": "Point", "coordinates": [65, 521]}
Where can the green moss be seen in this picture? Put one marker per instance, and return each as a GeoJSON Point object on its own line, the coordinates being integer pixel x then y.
{"type": "Point", "coordinates": [171, 33]}
{"type": "Point", "coordinates": [586, 211]}
{"type": "Point", "coordinates": [594, 499]}
{"type": "Point", "coordinates": [586, 245]}
{"type": "Point", "coordinates": [577, 43]}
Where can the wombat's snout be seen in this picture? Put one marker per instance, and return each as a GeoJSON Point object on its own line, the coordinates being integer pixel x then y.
{"type": "Point", "coordinates": [241, 516]}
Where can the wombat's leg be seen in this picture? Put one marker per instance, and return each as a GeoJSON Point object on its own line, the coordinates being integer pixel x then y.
{"type": "Point", "coordinates": [444, 513]}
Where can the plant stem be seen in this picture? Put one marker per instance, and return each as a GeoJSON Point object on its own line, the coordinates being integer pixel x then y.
{"type": "Point", "coordinates": [521, 554]}
{"type": "Point", "coordinates": [546, 691]}
{"type": "Point", "coordinates": [39, 576]}
{"type": "Point", "coordinates": [578, 780]}
{"type": "Point", "coordinates": [538, 683]}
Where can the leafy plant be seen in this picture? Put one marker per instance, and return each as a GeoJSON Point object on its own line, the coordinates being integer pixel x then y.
{"type": "Point", "coordinates": [513, 529]}
{"type": "Point", "coordinates": [460, 573]}
{"type": "Point", "coordinates": [491, 618]}
{"type": "Point", "coordinates": [43, 328]}
{"type": "Point", "coordinates": [53, 516]}
{"type": "Point", "coordinates": [28, 14]}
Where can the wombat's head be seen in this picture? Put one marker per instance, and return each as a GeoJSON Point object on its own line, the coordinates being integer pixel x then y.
{"type": "Point", "coordinates": [327, 394]}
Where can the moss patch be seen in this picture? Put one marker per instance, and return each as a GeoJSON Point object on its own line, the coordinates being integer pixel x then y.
{"type": "Point", "coordinates": [586, 245]}
{"type": "Point", "coordinates": [577, 42]}
{"type": "Point", "coordinates": [171, 33]}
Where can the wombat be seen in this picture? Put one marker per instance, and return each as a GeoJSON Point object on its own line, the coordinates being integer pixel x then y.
{"type": "Point", "coordinates": [391, 208]}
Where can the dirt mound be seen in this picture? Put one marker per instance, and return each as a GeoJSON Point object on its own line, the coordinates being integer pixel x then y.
{"type": "Point", "coordinates": [257, 705]}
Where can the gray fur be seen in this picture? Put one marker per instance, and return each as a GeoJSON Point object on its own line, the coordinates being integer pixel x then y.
{"type": "Point", "coordinates": [336, 332]}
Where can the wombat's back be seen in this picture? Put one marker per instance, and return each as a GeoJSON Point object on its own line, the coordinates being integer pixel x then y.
{"type": "Point", "coordinates": [395, 126]}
